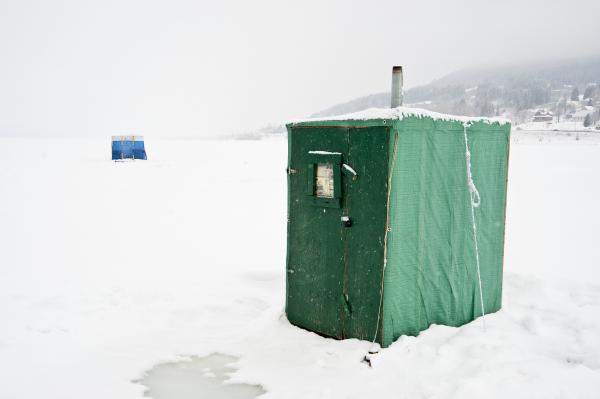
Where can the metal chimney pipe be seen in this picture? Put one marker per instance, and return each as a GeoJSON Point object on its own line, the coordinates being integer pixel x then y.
{"type": "Point", "coordinates": [397, 82]}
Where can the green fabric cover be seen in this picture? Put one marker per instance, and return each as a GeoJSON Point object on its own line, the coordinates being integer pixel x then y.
{"type": "Point", "coordinates": [431, 275]}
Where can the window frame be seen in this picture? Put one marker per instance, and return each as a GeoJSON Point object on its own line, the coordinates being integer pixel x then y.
{"type": "Point", "coordinates": [335, 159]}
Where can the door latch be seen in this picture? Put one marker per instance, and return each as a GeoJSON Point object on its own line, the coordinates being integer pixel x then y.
{"type": "Point", "coordinates": [346, 221]}
{"type": "Point", "coordinates": [348, 170]}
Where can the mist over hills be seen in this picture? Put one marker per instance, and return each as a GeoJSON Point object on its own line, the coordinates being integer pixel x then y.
{"type": "Point", "coordinates": [513, 91]}
{"type": "Point", "coordinates": [509, 90]}
{"type": "Point", "coordinates": [578, 71]}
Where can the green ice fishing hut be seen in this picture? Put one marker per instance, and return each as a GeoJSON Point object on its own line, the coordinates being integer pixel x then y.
{"type": "Point", "coordinates": [395, 221]}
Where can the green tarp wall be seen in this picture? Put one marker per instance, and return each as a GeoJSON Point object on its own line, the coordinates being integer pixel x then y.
{"type": "Point", "coordinates": [431, 275]}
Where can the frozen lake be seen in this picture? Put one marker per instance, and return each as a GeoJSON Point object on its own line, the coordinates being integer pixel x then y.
{"type": "Point", "coordinates": [112, 270]}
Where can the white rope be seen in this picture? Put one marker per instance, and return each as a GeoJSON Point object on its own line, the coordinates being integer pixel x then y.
{"type": "Point", "coordinates": [475, 202]}
{"type": "Point", "coordinates": [385, 238]}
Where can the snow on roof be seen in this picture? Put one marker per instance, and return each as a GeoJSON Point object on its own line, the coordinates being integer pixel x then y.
{"type": "Point", "coordinates": [400, 113]}
{"type": "Point", "coordinates": [583, 112]}
{"type": "Point", "coordinates": [127, 138]}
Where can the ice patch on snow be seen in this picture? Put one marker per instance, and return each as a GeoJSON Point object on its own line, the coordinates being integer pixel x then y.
{"type": "Point", "coordinates": [197, 377]}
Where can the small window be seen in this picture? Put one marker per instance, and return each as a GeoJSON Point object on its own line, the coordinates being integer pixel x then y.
{"type": "Point", "coordinates": [324, 180]}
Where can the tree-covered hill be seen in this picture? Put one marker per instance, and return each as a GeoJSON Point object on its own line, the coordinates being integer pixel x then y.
{"type": "Point", "coordinates": [509, 90]}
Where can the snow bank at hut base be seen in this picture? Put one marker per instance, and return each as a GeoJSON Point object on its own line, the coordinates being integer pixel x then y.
{"type": "Point", "coordinates": [109, 268]}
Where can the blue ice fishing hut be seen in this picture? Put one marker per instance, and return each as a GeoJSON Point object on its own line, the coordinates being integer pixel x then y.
{"type": "Point", "coordinates": [128, 147]}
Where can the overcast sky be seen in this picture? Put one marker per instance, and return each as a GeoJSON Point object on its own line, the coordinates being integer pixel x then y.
{"type": "Point", "coordinates": [181, 68]}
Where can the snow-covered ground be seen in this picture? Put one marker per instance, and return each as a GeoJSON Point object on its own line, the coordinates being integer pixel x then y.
{"type": "Point", "coordinates": [565, 126]}
{"type": "Point", "coordinates": [109, 268]}
{"type": "Point", "coordinates": [555, 137]}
